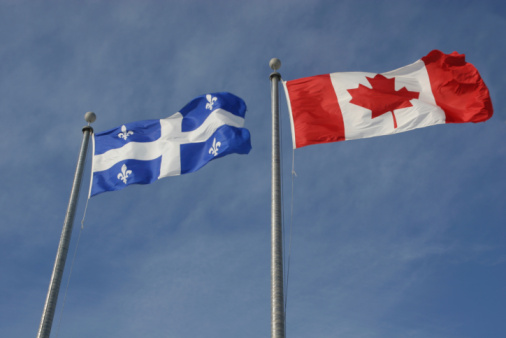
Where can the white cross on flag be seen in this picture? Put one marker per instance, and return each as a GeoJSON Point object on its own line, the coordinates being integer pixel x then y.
{"type": "Point", "coordinates": [141, 152]}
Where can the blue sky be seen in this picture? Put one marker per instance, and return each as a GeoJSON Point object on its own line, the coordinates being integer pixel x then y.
{"type": "Point", "coordinates": [396, 236]}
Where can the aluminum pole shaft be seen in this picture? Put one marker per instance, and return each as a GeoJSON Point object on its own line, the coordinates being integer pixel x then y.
{"type": "Point", "coordinates": [61, 255]}
{"type": "Point", "coordinates": [277, 298]}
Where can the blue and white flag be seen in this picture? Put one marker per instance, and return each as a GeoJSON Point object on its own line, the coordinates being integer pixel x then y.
{"type": "Point", "coordinates": [209, 127]}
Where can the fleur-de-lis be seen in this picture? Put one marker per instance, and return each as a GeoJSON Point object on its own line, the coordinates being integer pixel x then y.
{"type": "Point", "coordinates": [125, 133]}
{"type": "Point", "coordinates": [123, 175]}
{"type": "Point", "coordinates": [210, 101]}
{"type": "Point", "coordinates": [214, 149]}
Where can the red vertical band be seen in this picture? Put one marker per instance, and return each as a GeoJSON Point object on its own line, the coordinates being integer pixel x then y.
{"type": "Point", "coordinates": [316, 114]}
{"type": "Point", "coordinates": [458, 88]}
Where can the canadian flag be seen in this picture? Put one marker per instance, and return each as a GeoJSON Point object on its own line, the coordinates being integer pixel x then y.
{"type": "Point", "coordinates": [438, 88]}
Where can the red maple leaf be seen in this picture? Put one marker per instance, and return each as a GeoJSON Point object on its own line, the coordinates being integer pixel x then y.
{"type": "Point", "coordinates": [382, 97]}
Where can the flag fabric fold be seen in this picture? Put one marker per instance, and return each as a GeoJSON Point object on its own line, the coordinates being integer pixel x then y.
{"type": "Point", "coordinates": [209, 127]}
{"type": "Point", "coordinates": [439, 88]}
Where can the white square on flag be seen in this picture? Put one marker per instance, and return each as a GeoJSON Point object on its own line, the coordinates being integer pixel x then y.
{"type": "Point", "coordinates": [358, 122]}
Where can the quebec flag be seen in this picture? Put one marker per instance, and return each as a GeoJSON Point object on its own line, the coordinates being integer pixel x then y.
{"type": "Point", "coordinates": [209, 127]}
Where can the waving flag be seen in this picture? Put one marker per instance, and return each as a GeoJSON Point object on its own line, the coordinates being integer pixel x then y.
{"type": "Point", "coordinates": [209, 127]}
{"type": "Point", "coordinates": [439, 88]}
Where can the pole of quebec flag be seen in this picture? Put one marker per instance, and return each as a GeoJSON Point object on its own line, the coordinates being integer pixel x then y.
{"type": "Point", "coordinates": [63, 248]}
{"type": "Point", "coordinates": [277, 298]}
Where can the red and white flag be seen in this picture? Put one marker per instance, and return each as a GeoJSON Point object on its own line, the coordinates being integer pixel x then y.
{"type": "Point", "coordinates": [439, 88]}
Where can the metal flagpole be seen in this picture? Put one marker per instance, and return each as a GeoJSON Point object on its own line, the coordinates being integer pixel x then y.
{"type": "Point", "coordinates": [61, 255]}
{"type": "Point", "coordinates": [277, 299]}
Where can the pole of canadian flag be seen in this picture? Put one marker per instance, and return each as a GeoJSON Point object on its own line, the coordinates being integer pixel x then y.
{"type": "Point", "coordinates": [61, 255]}
{"type": "Point", "coordinates": [277, 298]}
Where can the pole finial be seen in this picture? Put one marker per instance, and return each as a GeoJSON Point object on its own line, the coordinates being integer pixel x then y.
{"type": "Point", "coordinates": [90, 117]}
{"type": "Point", "coordinates": [275, 64]}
